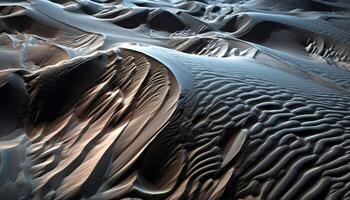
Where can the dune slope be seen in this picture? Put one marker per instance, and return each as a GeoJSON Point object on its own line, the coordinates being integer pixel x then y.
{"type": "Point", "coordinates": [174, 99]}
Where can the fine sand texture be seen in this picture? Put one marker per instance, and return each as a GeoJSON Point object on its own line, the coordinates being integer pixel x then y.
{"type": "Point", "coordinates": [174, 99]}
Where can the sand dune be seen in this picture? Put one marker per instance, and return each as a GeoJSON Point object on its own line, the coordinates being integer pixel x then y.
{"type": "Point", "coordinates": [161, 99]}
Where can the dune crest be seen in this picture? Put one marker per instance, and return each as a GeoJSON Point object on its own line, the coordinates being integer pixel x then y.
{"type": "Point", "coordinates": [213, 99]}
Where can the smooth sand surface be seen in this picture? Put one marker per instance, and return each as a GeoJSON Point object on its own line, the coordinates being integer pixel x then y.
{"type": "Point", "coordinates": [174, 99]}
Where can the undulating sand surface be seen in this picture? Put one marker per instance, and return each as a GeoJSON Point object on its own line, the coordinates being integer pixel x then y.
{"type": "Point", "coordinates": [175, 99]}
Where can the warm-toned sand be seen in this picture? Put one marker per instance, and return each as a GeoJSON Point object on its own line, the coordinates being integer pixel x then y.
{"type": "Point", "coordinates": [174, 99]}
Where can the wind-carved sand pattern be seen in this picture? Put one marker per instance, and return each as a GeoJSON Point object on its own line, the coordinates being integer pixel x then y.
{"type": "Point", "coordinates": [174, 100]}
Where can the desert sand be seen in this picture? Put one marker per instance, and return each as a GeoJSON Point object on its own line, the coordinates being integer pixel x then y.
{"type": "Point", "coordinates": [174, 99]}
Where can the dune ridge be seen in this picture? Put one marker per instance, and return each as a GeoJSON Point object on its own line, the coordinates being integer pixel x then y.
{"type": "Point", "coordinates": [225, 99]}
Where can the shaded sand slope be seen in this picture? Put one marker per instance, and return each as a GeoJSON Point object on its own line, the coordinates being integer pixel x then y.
{"type": "Point", "coordinates": [275, 130]}
{"type": "Point", "coordinates": [174, 99]}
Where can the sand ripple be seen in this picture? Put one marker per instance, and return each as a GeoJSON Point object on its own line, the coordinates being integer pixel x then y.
{"type": "Point", "coordinates": [132, 99]}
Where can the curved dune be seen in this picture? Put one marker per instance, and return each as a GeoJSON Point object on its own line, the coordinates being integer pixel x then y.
{"type": "Point", "coordinates": [103, 99]}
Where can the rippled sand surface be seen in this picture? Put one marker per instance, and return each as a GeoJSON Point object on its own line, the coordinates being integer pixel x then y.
{"type": "Point", "coordinates": [175, 99]}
